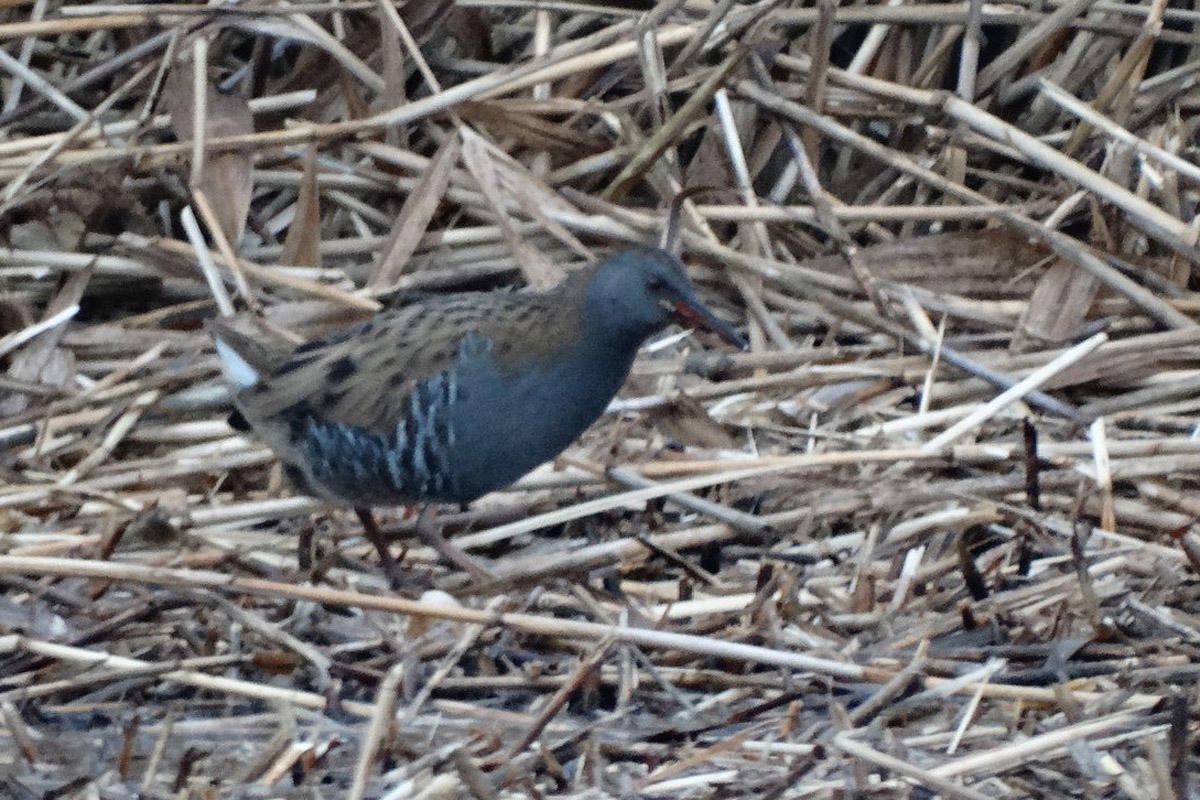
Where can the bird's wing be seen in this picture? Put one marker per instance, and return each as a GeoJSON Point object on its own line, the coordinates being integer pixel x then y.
{"type": "Point", "coordinates": [364, 375]}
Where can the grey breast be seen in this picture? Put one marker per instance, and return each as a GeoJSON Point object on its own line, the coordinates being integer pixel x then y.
{"type": "Point", "coordinates": [505, 422]}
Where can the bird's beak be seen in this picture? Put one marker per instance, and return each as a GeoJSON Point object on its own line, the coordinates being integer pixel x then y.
{"type": "Point", "coordinates": [691, 313]}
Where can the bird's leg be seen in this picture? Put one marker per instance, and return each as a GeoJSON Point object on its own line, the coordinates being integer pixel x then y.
{"type": "Point", "coordinates": [430, 533]}
{"type": "Point", "coordinates": [390, 567]}
{"type": "Point", "coordinates": [304, 548]}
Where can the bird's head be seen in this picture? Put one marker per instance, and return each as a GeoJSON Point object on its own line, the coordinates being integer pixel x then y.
{"type": "Point", "coordinates": [642, 290]}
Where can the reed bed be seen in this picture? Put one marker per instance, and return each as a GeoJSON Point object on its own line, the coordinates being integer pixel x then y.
{"type": "Point", "coordinates": [932, 535]}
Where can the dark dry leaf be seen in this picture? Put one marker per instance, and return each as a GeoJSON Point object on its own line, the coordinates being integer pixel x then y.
{"type": "Point", "coordinates": [393, 94]}
{"type": "Point", "coordinates": [1060, 303]}
{"type": "Point", "coordinates": [530, 130]}
{"type": "Point", "coordinates": [471, 31]}
{"type": "Point", "coordinates": [15, 315]}
{"type": "Point", "coordinates": [228, 179]}
{"type": "Point", "coordinates": [481, 160]}
{"type": "Point", "coordinates": [415, 215]}
{"type": "Point", "coordinates": [303, 243]}
{"type": "Point", "coordinates": [985, 264]}
{"type": "Point", "coordinates": [686, 421]}
{"type": "Point", "coordinates": [656, 144]}
{"type": "Point", "coordinates": [710, 164]}
{"type": "Point", "coordinates": [352, 93]}
{"type": "Point", "coordinates": [41, 360]}
{"type": "Point", "coordinates": [425, 17]}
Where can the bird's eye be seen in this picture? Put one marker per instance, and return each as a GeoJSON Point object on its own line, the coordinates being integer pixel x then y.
{"type": "Point", "coordinates": [654, 283]}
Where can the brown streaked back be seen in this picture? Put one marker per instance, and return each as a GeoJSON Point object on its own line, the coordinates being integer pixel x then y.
{"type": "Point", "coordinates": [363, 375]}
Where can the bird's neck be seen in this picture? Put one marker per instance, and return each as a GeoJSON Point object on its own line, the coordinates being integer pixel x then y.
{"type": "Point", "coordinates": [584, 331]}
{"type": "Point", "coordinates": [590, 374]}
{"type": "Point", "coordinates": [605, 338]}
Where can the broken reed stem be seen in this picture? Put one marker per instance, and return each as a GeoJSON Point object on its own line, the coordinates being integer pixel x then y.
{"type": "Point", "coordinates": [1006, 398]}
{"type": "Point", "coordinates": [1097, 120]}
{"type": "Point", "coordinates": [381, 719]}
{"type": "Point", "coordinates": [526, 623]}
{"type": "Point", "coordinates": [845, 742]}
{"type": "Point", "coordinates": [1062, 244]}
{"type": "Point", "coordinates": [16, 643]}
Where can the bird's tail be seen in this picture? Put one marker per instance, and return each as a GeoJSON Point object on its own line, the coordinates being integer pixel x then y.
{"type": "Point", "coordinates": [245, 358]}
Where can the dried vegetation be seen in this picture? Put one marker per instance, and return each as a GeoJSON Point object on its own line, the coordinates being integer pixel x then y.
{"type": "Point", "coordinates": [931, 536]}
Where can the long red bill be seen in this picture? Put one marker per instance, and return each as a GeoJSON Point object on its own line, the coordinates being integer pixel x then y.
{"type": "Point", "coordinates": [696, 315]}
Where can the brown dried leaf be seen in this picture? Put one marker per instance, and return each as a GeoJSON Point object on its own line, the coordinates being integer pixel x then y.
{"type": "Point", "coordinates": [1059, 303]}
{"type": "Point", "coordinates": [356, 105]}
{"type": "Point", "coordinates": [471, 32]}
{"type": "Point", "coordinates": [303, 243]}
{"type": "Point", "coordinates": [710, 165]}
{"type": "Point", "coordinates": [534, 197]}
{"type": "Point", "coordinates": [479, 159]}
{"type": "Point", "coordinates": [521, 188]}
{"type": "Point", "coordinates": [15, 315]}
{"type": "Point", "coordinates": [1108, 368]}
{"type": "Point", "coordinates": [424, 17]}
{"type": "Point", "coordinates": [415, 215]}
{"type": "Point", "coordinates": [228, 179]}
{"type": "Point", "coordinates": [393, 94]}
{"type": "Point", "coordinates": [980, 264]}
{"type": "Point", "coordinates": [42, 360]}
{"type": "Point", "coordinates": [532, 131]}
{"type": "Point", "coordinates": [687, 421]}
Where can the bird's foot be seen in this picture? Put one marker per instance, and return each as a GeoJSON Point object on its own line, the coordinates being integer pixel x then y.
{"type": "Point", "coordinates": [430, 534]}
{"type": "Point", "coordinates": [398, 579]}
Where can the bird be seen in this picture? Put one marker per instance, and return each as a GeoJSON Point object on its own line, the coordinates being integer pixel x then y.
{"type": "Point", "coordinates": [452, 396]}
